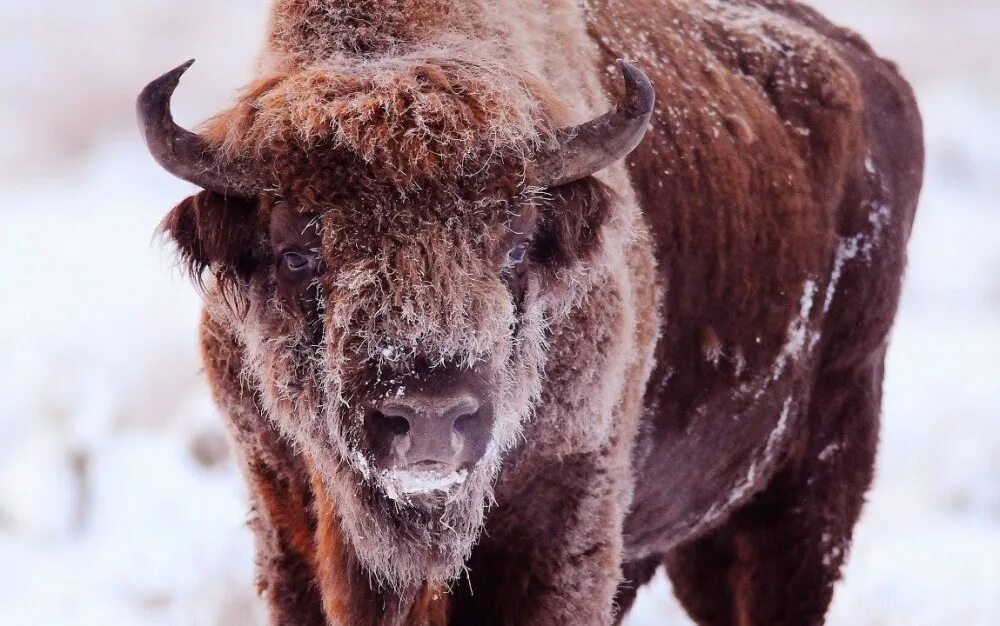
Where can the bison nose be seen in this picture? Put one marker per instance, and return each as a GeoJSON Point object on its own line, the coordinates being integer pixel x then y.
{"type": "Point", "coordinates": [430, 433]}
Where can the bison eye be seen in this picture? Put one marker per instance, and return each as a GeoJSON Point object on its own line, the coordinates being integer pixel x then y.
{"type": "Point", "coordinates": [518, 254]}
{"type": "Point", "coordinates": [296, 262]}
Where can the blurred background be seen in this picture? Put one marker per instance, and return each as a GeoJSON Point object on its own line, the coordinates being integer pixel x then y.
{"type": "Point", "coordinates": [119, 500]}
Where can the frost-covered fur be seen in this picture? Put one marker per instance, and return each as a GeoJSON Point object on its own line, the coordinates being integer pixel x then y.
{"type": "Point", "coordinates": [664, 374]}
{"type": "Point", "coordinates": [442, 111]}
{"type": "Point", "coordinates": [428, 135]}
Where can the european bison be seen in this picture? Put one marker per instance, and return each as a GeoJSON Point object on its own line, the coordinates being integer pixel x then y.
{"type": "Point", "coordinates": [478, 371]}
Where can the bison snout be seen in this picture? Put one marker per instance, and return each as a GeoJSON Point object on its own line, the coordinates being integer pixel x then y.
{"type": "Point", "coordinates": [438, 433]}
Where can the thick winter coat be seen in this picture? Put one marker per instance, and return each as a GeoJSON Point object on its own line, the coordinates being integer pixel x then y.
{"type": "Point", "coordinates": [675, 360]}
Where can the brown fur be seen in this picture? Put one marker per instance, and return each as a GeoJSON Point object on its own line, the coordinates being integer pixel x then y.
{"type": "Point", "coordinates": [687, 372]}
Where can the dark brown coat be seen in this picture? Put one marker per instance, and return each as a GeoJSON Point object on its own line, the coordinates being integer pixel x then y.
{"type": "Point", "coordinates": [698, 378]}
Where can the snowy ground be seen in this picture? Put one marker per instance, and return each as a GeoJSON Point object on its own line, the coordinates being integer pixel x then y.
{"type": "Point", "coordinates": [118, 502]}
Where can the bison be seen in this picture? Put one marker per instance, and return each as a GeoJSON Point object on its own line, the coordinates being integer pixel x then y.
{"type": "Point", "coordinates": [502, 323]}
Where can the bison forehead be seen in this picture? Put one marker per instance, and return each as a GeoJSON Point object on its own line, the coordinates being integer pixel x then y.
{"type": "Point", "coordinates": [357, 205]}
{"type": "Point", "coordinates": [408, 120]}
{"type": "Point", "coordinates": [461, 253]}
{"type": "Point", "coordinates": [437, 287]}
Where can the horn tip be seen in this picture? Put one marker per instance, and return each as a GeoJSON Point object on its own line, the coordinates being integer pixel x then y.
{"type": "Point", "coordinates": [176, 73]}
{"type": "Point", "coordinates": [173, 77]}
{"type": "Point", "coordinates": [638, 88]}
{"type": "Point", "coordinates": [167, 82]}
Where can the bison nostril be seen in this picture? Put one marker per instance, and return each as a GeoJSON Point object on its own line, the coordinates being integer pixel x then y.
{"type": "Point", "coordinates": [465, 421]}
{"type": "Point", "coordinates": [397, 424]}
{"type": "Point", "coordinates": [386, 426]}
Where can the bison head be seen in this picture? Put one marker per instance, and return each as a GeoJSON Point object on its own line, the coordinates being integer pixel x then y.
{"type": "Point", "coordinates": [388, 245]}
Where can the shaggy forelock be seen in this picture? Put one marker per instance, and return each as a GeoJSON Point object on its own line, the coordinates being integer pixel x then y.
{"type": "Point", "coordinates": [439, 113]}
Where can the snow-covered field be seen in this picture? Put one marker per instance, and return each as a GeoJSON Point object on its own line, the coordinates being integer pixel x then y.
{"type": "Point", "coordinates": [118, 501]}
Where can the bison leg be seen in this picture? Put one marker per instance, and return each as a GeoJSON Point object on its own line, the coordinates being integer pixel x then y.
{"type": "Point", "coordinates": [775, 561]}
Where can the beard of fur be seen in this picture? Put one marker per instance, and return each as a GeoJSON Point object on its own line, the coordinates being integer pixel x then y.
{"type": "Point", "coordinates": [400, 543]}
{"type": "Point", "coordinates": [403, 544]}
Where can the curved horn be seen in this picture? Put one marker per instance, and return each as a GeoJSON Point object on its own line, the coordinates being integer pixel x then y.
{"type": "Point", "coordinates": [589, 148]}
{"type": "Point", "coordinates": [183, 153]}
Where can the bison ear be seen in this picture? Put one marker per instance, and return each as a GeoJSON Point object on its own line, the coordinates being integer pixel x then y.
{"type": "Point", "coordinates": [575, 217]}
{"type": "Point", "coordinates": [217, 232]}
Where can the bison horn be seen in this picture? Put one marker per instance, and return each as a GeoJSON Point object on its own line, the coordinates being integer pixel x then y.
{"type": "Point", "coordinates": [588, 148]}
{"type": "Point", "coordinates": [181, 152]}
